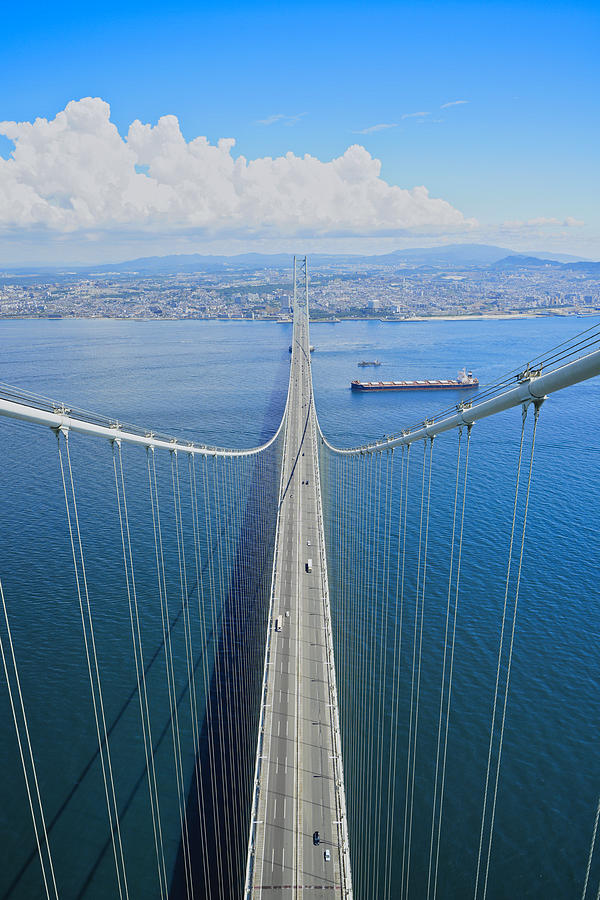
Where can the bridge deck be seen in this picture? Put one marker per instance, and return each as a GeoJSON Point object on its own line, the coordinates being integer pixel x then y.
{"type": "Point", "coordinates": [299, 771]}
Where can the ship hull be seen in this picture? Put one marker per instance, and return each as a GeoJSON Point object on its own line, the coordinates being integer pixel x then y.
{"type": "Point", "coordinates": [411, 386]}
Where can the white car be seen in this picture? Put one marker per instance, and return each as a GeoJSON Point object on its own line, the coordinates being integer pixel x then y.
{"type": "Point", "coordinates": [326, 855]}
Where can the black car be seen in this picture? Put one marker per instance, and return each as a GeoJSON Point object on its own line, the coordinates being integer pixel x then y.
{"type": "Point", "coordinates": [316, 838]}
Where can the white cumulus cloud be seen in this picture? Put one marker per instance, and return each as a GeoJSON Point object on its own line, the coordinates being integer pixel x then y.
{"type": "Point", "coordinates": [76, 172]}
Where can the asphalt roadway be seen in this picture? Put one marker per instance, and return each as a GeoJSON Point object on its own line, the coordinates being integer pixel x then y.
{"type": "Point", "coordinates": [299, 794]}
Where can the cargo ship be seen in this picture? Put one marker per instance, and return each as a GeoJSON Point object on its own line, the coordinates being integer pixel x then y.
{"type": "Point", "coordinates": [465, 380]}
{"type": "Point", "coordinates": [369, 362]}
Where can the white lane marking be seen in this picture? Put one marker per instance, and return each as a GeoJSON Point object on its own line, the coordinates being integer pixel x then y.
{"type": "Point", "coordinates": [287, 722]}
{"type": "Point", "coordinates": [279, 727]}
{"type": "Point", "coordinates": [272, 858]}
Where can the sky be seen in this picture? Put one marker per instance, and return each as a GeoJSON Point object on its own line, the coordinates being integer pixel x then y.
{"type": "Point", "coordinates": [130, 129]}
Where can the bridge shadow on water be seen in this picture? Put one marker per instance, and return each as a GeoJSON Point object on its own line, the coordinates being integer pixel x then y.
{"type": "Point", "coordinates": [218, 826]}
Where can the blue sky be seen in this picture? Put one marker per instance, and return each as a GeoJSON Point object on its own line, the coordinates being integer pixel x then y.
{"type": "Point", "coordinates": [518, 154]}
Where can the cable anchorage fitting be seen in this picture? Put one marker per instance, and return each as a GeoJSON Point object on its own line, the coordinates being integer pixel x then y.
{"type": "Point", "coordinates": [426, 424]}
{"type": "Point", "coordinates": [115, 426]}
{"type": "Point", "coordinates": [61, 429]}
{"type": "Point", "coordinates": [462, 407]}
{"type": "Point", "coordinates": [528, 373]}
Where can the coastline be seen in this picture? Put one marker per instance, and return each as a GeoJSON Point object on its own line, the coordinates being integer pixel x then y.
{"type": "Point", "coordinates": [475, 317]}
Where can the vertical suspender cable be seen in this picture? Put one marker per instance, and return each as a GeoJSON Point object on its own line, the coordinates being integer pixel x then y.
{"type": "Point", "coordinates": [353, 567]}
{"type": "Point", "coordinates": [189, 655]}
{"type": "Point", "coordinates": [396, 660]}
{"type": "Point", "coordinates": [358, 600]}
{"type": "Point", "coordinates": [349, 574]}
{"type": "Point", "coordinates": [510, 650]}
{"type": "Point", "coordinates": [224, 710]}
{"type": "Point", "coordinates": [169, 668]}
{"type": "Point", "coordinates": [500, 648]}
{"type": "Point", "coordinates": [231, 649]}
{"type": "Point", "coordinates": [370, 811]}
{"type": "Point", "coordinates": [140, 670]}
{"type": "Point", "coordinates": [346, 572]}
{"type": "Point", "coordinates": [223, 847]}
{"type": "Point", "coordinates": [365, 601]}
{"type": "Point", "coordinates": [211, 712]}
{"type": "Point", "coordinates": [445, 656]}
{"type": "Point", "coordinates": [418, 689]}
{"type": "Point", "coordinates": [451, 669]}
{"type": "Point", "coordinates": [33, 792]}
{"type": "Point", "coordinates": [357, 603]}
{"type": "Point", "coordinates": [237, 649]}
{"type": "Point", "coordinates": [246, 600]}
{"type": "Point", "coordinates": [591, 854]}
{"type": "Point", "coordinates": [382, 648]}
{"type": "Point", "coordinates": [198, 764]}
{"type": "Point", "coordinates": [92, 664]}
{"type": "Point", "coordinates": [412, 685]}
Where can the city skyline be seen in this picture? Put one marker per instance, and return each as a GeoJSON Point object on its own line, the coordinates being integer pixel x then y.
{"type": "Point", "coordinates": [130, 130]}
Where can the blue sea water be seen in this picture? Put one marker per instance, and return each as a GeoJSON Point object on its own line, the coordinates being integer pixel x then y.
{"type": "Point", "coordinates": [225, 383]}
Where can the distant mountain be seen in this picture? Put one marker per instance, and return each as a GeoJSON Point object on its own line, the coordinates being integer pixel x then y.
{"type": "Point", "coordinates": [469, 255]}
{"type": "Point", "coordinates": [534, 262]}
{"type": "Point", "coordinates": [450, 255]}
{"type": "Point", "coordinates": [526, 262]}
{"type": "Point", "coordinates": [588, 267]}
{"type": "Point", "coordinates": [561, 257]}
{"type": "Point", "coordinates": [196, 262]}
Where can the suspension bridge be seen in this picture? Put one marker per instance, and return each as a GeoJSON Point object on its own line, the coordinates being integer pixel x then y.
{"type": "Point", "coordinates": [246, 656]}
